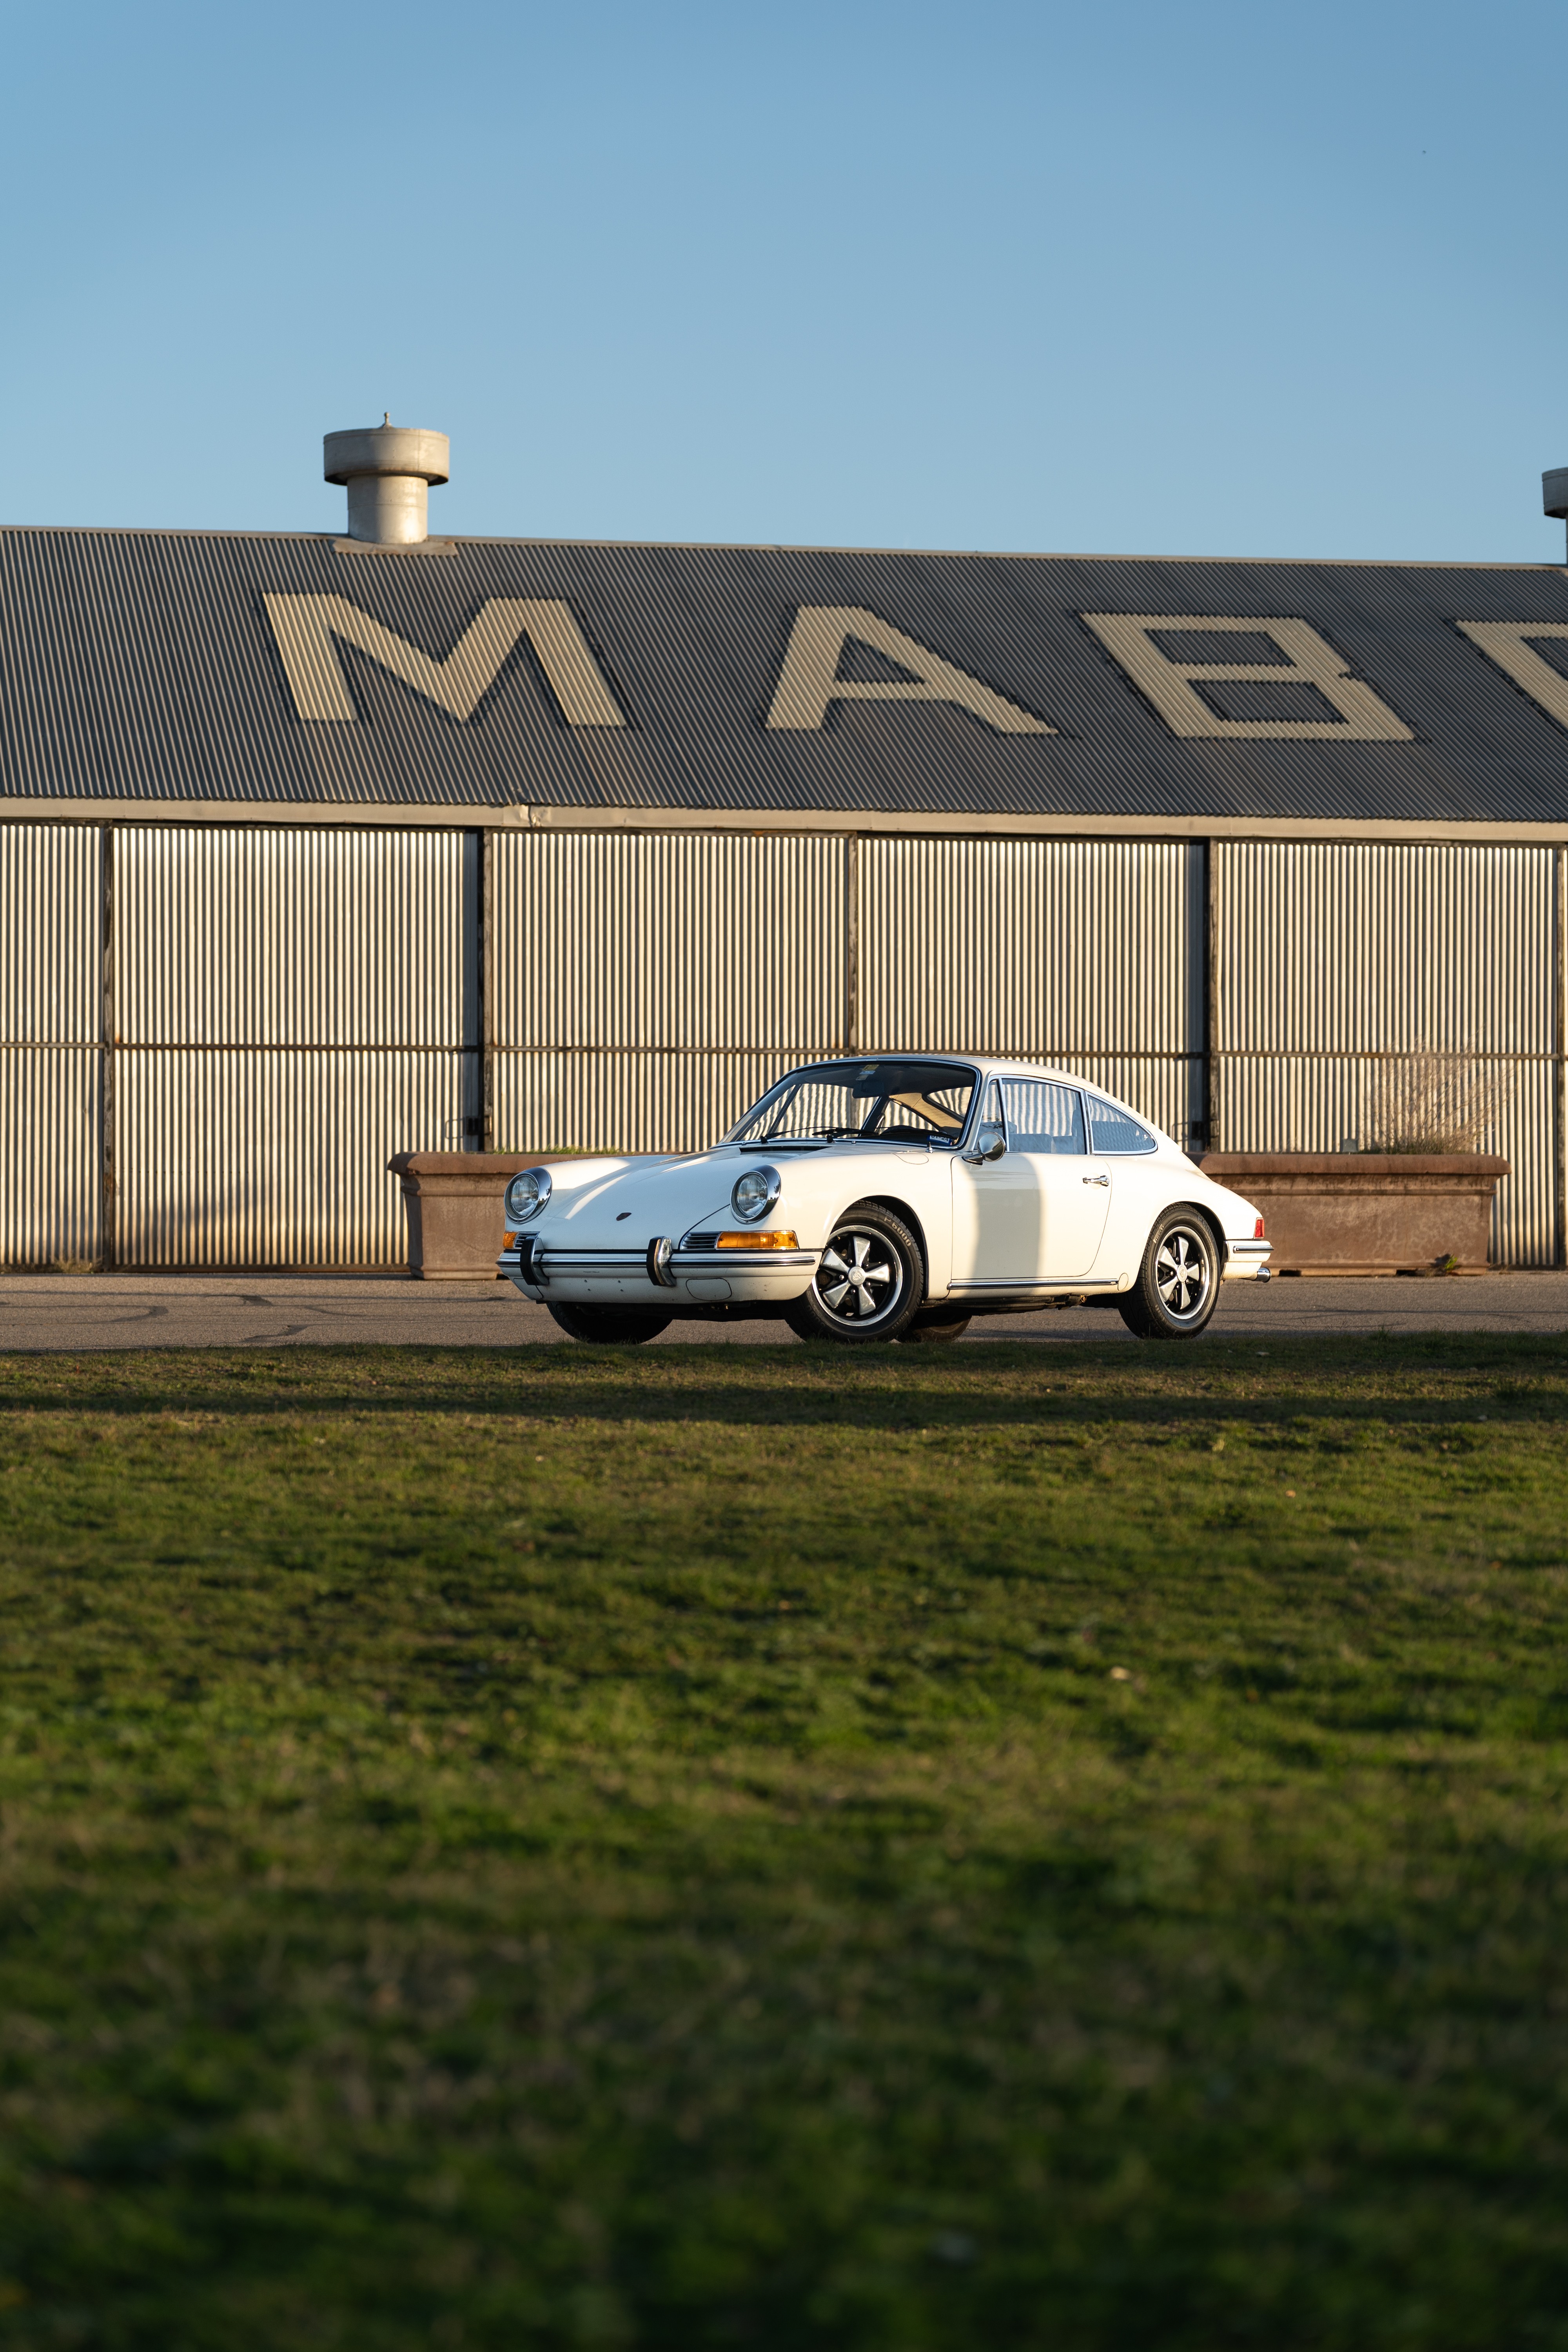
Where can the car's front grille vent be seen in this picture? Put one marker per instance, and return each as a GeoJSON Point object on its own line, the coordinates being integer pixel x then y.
{"type": "Point", "coordinates": [700, 1240]}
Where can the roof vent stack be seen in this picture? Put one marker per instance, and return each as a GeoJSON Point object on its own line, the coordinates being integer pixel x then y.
{"type": "Point", "coordinates": [388, 469]}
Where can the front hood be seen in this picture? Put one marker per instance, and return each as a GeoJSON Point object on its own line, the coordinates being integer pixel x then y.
{"type": "Point", "coordinates": [625, 1205]}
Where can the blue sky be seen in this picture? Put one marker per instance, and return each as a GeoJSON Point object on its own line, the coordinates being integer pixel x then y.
{"type": "Point", "coordinates": [1210, 278]}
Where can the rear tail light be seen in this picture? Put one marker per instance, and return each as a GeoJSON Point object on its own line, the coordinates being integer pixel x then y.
{"type": "Point", "coordinates": [1258, 1230]}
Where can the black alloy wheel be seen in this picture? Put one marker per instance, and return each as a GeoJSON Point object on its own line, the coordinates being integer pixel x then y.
{"type": "Point", "coordinates": [1177, 1288]}
{"type": "Point", "coordinates": [869, 1283]}
{"type": "Point", "coordinates": [610, 1326]}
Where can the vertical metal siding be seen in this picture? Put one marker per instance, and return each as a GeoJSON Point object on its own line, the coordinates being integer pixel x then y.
{"type": "Point", "coordinates": [293, 1007]}
{"type": "Point", "coordinates": [656, 1101]}
{"type": "Point", "coordinates": [290, 1008]}
{"type": "Point", "coordinates": [642, 940]}
{"type": "Point", "coordinates": [273, 1159]}
{"type": "Point", "coordinates": [251, 936]}
{"type": "Point", "coordinates": [1040, 949]}
{"type": "Point", "coordinates": [49, 886]}
{"type": "Point", "coordinates": [1361, 947]}
{"type": "Point", "coordinates": [50, 1143]}
{"type": "Point", "coordinates": [1331, 956]}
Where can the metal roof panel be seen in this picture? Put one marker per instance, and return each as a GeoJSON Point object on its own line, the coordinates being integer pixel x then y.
{"type": "Point", "coordinates": [141, 664]}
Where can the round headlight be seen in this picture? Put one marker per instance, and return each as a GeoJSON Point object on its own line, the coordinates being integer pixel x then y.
{"type": "Point", "coordinates": [755, 1193]}
{"type": "Point", "coordinates": [526, 1195]}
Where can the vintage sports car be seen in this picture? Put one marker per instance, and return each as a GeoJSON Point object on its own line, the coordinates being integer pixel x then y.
{"type": "Point", "coordinates": [892, 1197]}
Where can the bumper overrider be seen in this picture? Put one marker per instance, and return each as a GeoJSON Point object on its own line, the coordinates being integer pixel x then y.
{"type": "Point", "coordinates": [663, 1272]}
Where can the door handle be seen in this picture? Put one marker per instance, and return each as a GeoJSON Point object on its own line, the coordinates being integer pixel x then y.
{"type": "Point", "coordinates": [1097, 1180]}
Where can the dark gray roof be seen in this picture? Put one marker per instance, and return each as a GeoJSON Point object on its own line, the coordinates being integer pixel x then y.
{"type": "Point", "coordinates": [142, 665]}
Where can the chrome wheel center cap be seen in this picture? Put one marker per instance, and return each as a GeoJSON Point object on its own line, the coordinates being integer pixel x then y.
{"type": "Point", "coordinates": [849, 1278]}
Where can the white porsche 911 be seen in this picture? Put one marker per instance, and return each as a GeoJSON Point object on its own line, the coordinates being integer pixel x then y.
{"type": "Point", "coordinates": [892, 1197]}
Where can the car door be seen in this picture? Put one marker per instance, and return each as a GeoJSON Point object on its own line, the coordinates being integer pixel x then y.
{"type": "Point", "coordinates": [996, 1211]}
{"type": "Point", "coordinates": [1046, 1132]}
{"type": "Point", "coordinates": [1037, 1212]}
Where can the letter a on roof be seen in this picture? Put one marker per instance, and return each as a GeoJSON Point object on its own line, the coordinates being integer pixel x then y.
{"type": "Point", "coordinates": [809, 683]}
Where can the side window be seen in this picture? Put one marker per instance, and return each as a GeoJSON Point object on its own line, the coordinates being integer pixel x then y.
{"type": "Point", "coordinates": [1117, 1131]}
{"type": "Point", "coordinates": [1042, 1118]}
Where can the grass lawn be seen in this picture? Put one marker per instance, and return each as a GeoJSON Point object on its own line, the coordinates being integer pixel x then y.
{"type": "Point", "coordinates": [945, 1850]}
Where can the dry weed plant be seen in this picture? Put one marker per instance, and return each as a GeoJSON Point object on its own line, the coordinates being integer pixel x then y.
{"type": "Point", "coordinates": [1437, 1102]}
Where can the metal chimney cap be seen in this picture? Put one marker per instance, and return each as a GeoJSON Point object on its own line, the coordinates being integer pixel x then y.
{"type": "Point", "coordinates": [1554, 492]}
{"type": "Point", "coordinates": [407, 449]}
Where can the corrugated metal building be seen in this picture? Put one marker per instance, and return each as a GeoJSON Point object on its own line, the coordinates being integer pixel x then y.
{"type": "Point", "coordinates": [315, 849]}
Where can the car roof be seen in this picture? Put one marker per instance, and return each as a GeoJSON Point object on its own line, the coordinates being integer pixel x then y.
{"type": "Point", "coordinates": [988, 1065]}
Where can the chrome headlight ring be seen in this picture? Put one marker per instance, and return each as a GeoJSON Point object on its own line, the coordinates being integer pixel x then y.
{"type": "Point", "coordinates": [753, 1194]}
{"type": "Point", "coordinates": [527, 1194]}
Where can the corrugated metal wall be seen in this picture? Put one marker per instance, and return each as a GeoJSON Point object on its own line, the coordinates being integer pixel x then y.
{"type": "Point", "coordinates": [1330, 958]}
{"type": "Point", "coordinates": [646, 987]}
{"type": "Point", "coordinates": [51, 918]}
{"type": "Point", "coordinates": [289, 1008]}
{"type": "Point", "coordinates": [1084, 953]}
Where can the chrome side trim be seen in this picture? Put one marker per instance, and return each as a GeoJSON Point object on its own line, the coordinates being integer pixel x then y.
{"type": "Point", "coordinates": [1018, 1289]}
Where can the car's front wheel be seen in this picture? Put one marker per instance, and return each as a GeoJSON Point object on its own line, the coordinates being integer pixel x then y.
{"type": "Point", "coordinates": [869, 1283]}
{"type": "Point", "coordinates": [1177, 1288]}
{"type": "Point", "coordinates": [611, 1326]}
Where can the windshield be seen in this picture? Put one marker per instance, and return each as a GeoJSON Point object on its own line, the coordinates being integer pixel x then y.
{"type": "Point", "coordinates": [882, 1101]}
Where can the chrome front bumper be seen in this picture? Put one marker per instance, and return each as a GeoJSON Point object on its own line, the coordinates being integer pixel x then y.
{"type": "Point", "coordinates": [612, 1278]}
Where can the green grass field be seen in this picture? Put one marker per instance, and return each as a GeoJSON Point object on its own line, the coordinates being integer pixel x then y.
{"type": "Point", "coordinates": [1005, 1847]}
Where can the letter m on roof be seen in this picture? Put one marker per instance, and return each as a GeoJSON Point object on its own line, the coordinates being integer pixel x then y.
{"type": "Point", "coordinates": [309, 629]}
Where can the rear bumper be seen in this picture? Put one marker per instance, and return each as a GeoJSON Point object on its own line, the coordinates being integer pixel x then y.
{"type": "Point", "coordinates": [1247, 1262]}
{"type": "Point", "coordinates": [696, 1277]}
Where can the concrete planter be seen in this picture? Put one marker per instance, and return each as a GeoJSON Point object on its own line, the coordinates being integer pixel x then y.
{"type": "Point", "coordinates": [456, 1207]}
{"type": "Point", "coordinates": [1368, 1212]}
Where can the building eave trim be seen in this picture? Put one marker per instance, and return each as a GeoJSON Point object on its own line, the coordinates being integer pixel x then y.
{"type": "Point", "coordinates": [553, 817]}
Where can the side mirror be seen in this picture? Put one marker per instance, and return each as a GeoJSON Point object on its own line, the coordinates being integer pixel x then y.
{"type": "Point", "coordinates": [990, 1142]}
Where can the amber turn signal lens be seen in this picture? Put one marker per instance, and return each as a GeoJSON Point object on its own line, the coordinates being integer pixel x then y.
{"type": "Point", "coordinates": [507, 1240]}
{"type": "Point", "coordinates": [758, 1241]}
{"type": "Point", "coordinates": [1258, 1230]}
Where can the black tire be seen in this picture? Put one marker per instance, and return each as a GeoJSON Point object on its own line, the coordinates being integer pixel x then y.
{"type": "Point", "coordinates": [869, 1284]}
{"type": "Point", "coordinates": [1177, 1288]}
{"type": "Point", "coordinates": [932, 1327]}
{"type": "Point", "coordinates": [611, 1326]}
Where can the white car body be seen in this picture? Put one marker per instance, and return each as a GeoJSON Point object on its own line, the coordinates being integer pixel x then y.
{"type": "Point", "coordinates": [995, 1234]}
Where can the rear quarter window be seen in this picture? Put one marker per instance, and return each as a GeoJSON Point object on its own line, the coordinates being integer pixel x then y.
{"type": "Point", "coordinates": [1110, 1129]}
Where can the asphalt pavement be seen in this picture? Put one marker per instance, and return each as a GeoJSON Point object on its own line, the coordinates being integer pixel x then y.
{"type": "Point", "coordinates": [65, 1313]}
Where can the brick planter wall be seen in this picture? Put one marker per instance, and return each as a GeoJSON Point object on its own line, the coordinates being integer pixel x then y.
{"type": "Point", "coordinates": [456, 1202]}
{"type": "Point", "coordinates": [1367, 1211]}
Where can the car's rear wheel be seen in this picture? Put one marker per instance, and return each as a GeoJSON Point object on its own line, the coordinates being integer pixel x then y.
{"type": "Point", "coordinates": [1177, 1288]}
{"type": "Point", "coordinates": [930, 1326]}
{"type": "Point", "coordinates": [869, 1283]}
{"type": "Point", "coordinates": [611, 1326]}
